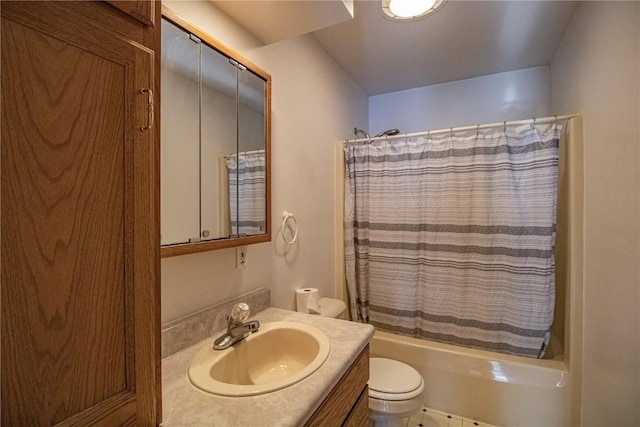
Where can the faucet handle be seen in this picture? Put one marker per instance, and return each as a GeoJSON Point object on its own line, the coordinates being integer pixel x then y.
{"type": "Point", "coordinates": [240, 312]}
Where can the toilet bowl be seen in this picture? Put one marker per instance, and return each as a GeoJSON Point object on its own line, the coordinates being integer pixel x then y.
{"type": "Point", "coordinates": [395, 391]}
{"type": "Point", "coordinates": [395, 388]}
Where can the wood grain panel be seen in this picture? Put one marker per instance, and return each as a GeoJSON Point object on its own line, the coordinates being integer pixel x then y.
{"type": "Point", "coordinates": [153, 41]}
{"type": "Point", "coordinates": [359, 416]}
{"type": "Point", "coordinates": [119, 410]}
{"type": "Point", "coordinates": [142, 10]}
{"type": "Point", "coordinates": [145, 249]}
{"type": "Point", "coordinates": [62, 201]}
{"type": "Point", "coordinates": [336, 407]}
{"type": "Point", "coordinates": [79, 250]}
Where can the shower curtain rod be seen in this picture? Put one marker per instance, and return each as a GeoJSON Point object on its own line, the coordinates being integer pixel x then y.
{"type": "Point", "coordinates": [537, 121]}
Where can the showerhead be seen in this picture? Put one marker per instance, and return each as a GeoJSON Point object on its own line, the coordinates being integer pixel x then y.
{"type": "Point", "coordinates": [357, 131]}
{"type": "Point", "coordinates": [389, 132]}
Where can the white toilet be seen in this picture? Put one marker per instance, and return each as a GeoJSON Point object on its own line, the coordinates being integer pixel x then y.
{"type": "Point", "coordinates": [395, 392]}
{"type": "Point", "coordinates": [395, 388]}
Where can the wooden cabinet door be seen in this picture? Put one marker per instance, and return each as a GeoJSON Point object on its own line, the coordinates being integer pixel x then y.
{"type": "Point", "coordinates": [142, 10]}
{"type": "Point", "coordinates": [80, 242]}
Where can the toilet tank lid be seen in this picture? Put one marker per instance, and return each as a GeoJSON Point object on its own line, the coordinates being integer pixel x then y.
{"type": "Point", "coordinates": [331, 307]}
{"type": "Point", "coordinates": [392, 377]}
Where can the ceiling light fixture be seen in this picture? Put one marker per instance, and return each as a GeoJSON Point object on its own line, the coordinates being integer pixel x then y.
{"type": "Point", "coordinates": [409, 9]}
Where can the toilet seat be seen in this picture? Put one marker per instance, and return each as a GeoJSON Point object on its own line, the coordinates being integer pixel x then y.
{"type": "Point", "coordinates": [392, 380]}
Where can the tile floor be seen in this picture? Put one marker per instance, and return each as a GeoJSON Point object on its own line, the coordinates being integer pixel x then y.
{"type": "Point", "coordinates": [431, 418]}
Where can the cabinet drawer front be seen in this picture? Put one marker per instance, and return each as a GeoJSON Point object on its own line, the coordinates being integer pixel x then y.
{"type": "Point", "coordinates": [359, 416]}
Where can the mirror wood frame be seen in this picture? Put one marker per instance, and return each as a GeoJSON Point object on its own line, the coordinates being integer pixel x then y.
{"type": "Point", "coordinates": [229, 242]}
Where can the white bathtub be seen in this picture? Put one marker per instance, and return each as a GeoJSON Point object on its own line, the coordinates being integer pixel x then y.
{"type": "Point", "coordinates": [497, 389]}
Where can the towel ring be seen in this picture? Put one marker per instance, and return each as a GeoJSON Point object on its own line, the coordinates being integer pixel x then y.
{"type": "Point", "coordinates": [286, 216]}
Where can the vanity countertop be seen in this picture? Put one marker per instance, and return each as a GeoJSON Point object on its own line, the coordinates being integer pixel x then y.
{"type": "Point", "coordinates": [184, 405]}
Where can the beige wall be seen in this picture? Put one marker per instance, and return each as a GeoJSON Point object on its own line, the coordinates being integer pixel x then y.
{"type": "Point", "coordinates": [315, 103]}
{"type": "Point", "coordinates": [595, 71]}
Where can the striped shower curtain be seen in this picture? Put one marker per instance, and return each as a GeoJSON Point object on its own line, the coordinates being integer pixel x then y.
{"type": "Point", "coordinates": [451, 239]}
{"type": "Point", "coordinates": [247, 203]}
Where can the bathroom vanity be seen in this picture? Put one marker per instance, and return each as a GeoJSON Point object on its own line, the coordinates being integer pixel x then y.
{"type": "Point", "coordinates": [335, 394]}
{"type": "Point", "coordinates": [347, 404]}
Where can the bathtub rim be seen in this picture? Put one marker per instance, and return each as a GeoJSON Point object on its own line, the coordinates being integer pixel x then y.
{"type": "Point", "coordinates": [482, 364]}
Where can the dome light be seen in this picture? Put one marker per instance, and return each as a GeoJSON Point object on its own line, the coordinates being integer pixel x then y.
{"type": "Point", "coordinates": [409, 9]}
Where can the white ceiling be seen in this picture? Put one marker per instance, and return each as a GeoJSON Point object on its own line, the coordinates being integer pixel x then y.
{"type": "Point", "coordinates": [462, 39]}
{"type": "Point", "coordinates": [271, 21]}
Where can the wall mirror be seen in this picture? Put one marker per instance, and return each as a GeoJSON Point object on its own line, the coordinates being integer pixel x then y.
{"type": "Point", "coordinates": [215, 144]}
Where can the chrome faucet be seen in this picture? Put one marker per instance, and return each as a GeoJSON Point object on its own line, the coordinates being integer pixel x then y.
{"type": "Point", "coordinates": [237, 328]}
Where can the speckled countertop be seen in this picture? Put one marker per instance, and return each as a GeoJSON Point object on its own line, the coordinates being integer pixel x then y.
{"type": "Point", "coordinates": [184, 405]}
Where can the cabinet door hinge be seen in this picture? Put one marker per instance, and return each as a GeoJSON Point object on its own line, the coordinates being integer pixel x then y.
{"type": "Point", "coordinates": [237, 64]}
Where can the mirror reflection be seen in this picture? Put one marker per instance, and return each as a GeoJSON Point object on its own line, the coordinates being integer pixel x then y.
{"type": "Point", "coordinates": [214, 144]}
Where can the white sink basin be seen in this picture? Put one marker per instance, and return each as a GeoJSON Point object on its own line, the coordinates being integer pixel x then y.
{"type": "Point", "coordinates": [278, 355]}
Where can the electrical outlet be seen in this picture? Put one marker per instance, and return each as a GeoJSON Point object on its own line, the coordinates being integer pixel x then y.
{"type": "Point", "coordinates": [241, 256]}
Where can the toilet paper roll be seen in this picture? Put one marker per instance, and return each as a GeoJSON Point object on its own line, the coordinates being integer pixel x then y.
{"type": "Point", "coordinates": [307, 300]}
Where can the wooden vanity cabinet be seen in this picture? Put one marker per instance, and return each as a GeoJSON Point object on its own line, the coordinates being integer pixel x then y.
{"type": "Point", "coordinates": [80, 261]}
{"type": "Point", "coordinates": [348, 402]}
